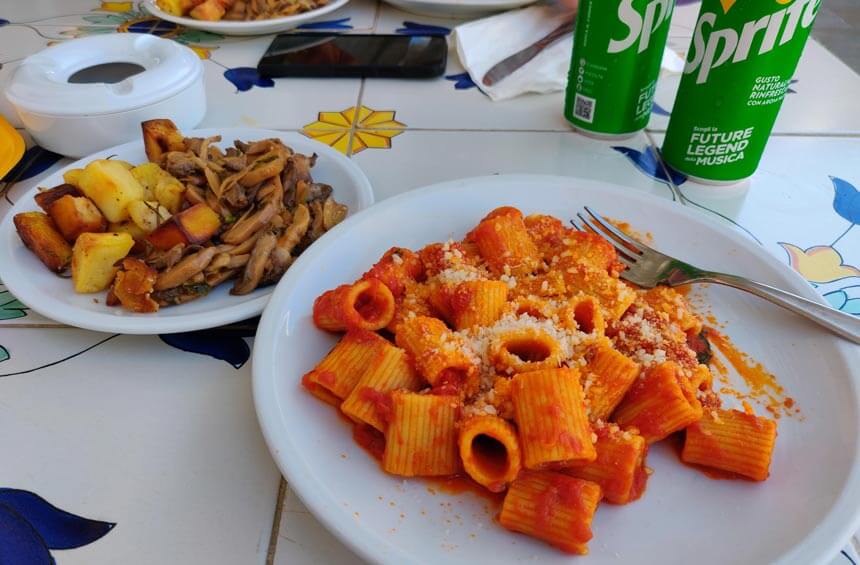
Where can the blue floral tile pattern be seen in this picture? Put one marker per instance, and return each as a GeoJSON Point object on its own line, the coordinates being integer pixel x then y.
{"type": "Point", "coordinates": [227, 343]}
{"type": "Point", "coordinates": [342, 23]}
{"type": "Point", "coordinates": [246, 78]}
{"type": "Point", "coordinates": [462, 81]}
{"type": "Point", "coordinates": [415, 28]}
{"type": "Point", "coordinates": [30, 527]}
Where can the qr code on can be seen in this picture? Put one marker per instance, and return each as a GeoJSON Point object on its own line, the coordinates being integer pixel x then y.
{"type": "Point", "coordinates": [583, 108]}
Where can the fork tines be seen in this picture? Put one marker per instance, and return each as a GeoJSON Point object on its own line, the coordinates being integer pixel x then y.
{"type": "Point", "coordinates": [628, 248]}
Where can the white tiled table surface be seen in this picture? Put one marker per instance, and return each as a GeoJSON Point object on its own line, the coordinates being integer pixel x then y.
{"type": "Point", "coordinates": [162, 441]}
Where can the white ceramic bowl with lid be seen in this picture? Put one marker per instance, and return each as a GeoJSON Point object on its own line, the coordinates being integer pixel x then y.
{"type": "Point", "coordinates": [87, 94]}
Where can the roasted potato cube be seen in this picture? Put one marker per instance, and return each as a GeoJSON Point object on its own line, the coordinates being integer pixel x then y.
{"type": "Point", "coordinates": [147, 215]}
{"type": "Point", "coordinates": [159, 185]}
{"type": "Point", "coordinates": [128, 227]}
{"type": "Point", "coordinates": [193, 225]}
{"type": "Point", "coordinates": [112, 187]}
{"type": "Point", "coordinates": [169, 192]}
{"type": "Point", "coordinates": [94, 259]}
{"type": "Point", "coordinates": [48, 196]}
{"type": "Point", "coordinates": [133, 286]}
{"type": "Point", "coordinates": [37, 231]}
{"type": "Point", "coordinates": [74, 215]}
{"type": "Point", "coordinates": [73, 176]}
{"type": "Point", "coordinates": [210, 10]}
{"type": "Point", "coordinates": [159, 137]}
{"type": "Point", "coordinates": [147, 175]}
{"type": "Point", "coordinates": [171, 6]}
{"type": "Point", "coordinates": [167, 235]}
{"type": "Point", "coordinates": [199, 223]}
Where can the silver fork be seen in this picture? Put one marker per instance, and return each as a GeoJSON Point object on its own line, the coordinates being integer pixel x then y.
{"type": "Point", "coordinates": [647, 268]}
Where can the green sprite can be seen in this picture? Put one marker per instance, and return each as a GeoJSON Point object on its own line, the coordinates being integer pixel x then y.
{"type": "Point", "coordinates": [617, 51]}
{"type": "Point", "coordinates": [740, 63]}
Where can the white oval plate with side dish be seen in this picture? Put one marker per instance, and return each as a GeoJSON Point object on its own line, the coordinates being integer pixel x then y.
{"type": "Point", "coordinates": [457, 8]}
{"type": "Point", "coordinates": [53, 296]}
{"type": "Point", "coordinates": [252, 27]}
{"type": "Point", "coordinates": [803, 513]}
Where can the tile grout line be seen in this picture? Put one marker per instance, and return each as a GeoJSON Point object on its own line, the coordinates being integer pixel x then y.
{"type": "Point", "coordinates": [276, 522]}
{"type": "Point", "coordinates": [354, 125]}
{"type": "Point", "coordinates": [376, 13]}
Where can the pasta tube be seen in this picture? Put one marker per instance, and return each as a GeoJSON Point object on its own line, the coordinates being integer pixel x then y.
{"type": "Point", "coordinates": [614, 296]}
{"type": "Point", "coordinates": [370, 402]}
{"type": "Point", "coordinates": [549, 410]}
{"type": "Point", "coordinates": [609, 375]}
{"type": "Point", "coordinates": [583, 313]}
{"type": "Point", "coordinates": [366, 305]}
{"type": "Point", "coordinates": [477, 303]}
{"type": "Point", "coordinates": [525, 349]}
{"type": "Point", "coordinates": [552, 507]}
{"type": "Point", "coordinates": [505, 244]}
{"type": "Point", "coordinates": [439, 355]}
{"type": "Point", "coordinates": [396, 269]}
{"type": "Point", "coordinates": [337, 374]}
{"type": "Point", "coordinates": [490, 451]}
{"type": "Point", "coordinates": [620, 465]}
{"type": "Point", "coordinates": [659, 403]}
{"type": "Point", "coordinates": [731, 441]}
{"type": "Point", "coordinates": [422, 435]}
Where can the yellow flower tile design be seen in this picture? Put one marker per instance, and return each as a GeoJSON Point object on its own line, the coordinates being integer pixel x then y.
{"type": "Point", "coordinates": [373, 129]}
{"type": "Point", "coordinates": [819, 264]}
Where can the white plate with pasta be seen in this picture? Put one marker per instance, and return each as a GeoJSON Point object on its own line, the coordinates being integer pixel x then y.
{"type": "Point", "coordinates": [511, 353]}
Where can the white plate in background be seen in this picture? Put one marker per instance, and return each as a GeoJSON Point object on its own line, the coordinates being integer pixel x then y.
{"type": "Point", "coordinates": [253, 27]}
{"type": "Point", "coordinates": [458, 8]}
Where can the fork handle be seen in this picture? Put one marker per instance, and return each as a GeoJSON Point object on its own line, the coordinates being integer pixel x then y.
{"type": "Point", "coordinates": [840, 323]}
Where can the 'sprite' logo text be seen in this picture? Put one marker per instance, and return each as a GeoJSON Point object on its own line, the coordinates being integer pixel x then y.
{"type": "Point", "coordinates": [725, 44]}
{"type": "Point", "coordinates": [640, 27]}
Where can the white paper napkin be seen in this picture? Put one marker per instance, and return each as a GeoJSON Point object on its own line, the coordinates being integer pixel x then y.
{"type": "Point", "coordinates": [483, 43]}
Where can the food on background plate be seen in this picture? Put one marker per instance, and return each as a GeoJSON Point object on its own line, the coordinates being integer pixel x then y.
{"type": "Point", "coordinates": [195, 216]}
{"type": "Point", "coordinates": [238, 10]}
{"type": "Point", "coordinates": [519, 358]}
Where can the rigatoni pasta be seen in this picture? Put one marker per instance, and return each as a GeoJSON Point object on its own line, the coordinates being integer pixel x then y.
{"type": "Point", "coordinates": [337, 374]}
{"type": "Point", "coordinates": [553, 507]}
{"type": "Point", "coordinates": [490, 451]}
{"type": "Point", "coordinates": [421, 437]}
{"type": "Point", "coordinates": [477, 303]}
{"type": "Point", "coordinates": [608, 375]}
{"type": "Point", "coordinates": [370, 400]}
{"type": "Point", "coordinates": [505, 244]}
{"type": "Point", "coordinates": [662, 402]}
{"type": "Point", "coordinates": [518, 358]}
{"type": "Point", "coordinates": [619, 468]}
{"type": "Point", "coordinates": [550, 413]}
{"type": "Point", "coordinates": [438, 354]}
{"type": "Point", "coordinates": [366, 305]}
{"type": "Point", "coordinates": [733, 441]}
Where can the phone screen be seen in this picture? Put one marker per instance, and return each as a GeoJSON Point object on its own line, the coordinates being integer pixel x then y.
{"type": "Point", "coordinates": [316, 54]}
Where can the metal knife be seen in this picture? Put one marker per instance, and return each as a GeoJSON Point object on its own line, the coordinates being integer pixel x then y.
{"type": "Point", "coordinates": [508, 65]}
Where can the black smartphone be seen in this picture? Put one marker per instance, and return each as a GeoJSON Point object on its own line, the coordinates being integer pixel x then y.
{"type": "Point", "coordinates": [341, 55]}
